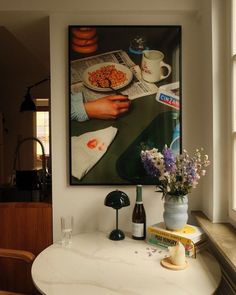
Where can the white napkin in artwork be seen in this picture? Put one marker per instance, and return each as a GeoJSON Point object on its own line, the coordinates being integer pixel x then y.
{"type": "Point", "coordinates": [88, 148]}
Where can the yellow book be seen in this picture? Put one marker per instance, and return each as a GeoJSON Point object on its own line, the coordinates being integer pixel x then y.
{"type": "Point", "coordinates": [188, 236]}
{"type": "Point", "coordinates": [188, 232]}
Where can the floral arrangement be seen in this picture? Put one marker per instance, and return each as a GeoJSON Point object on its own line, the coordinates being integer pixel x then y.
{"type": "Point", "coordinates": [178, 174]}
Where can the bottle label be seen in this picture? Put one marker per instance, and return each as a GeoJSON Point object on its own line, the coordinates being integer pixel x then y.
{"type": "Point", "coordinates": [138, 229]}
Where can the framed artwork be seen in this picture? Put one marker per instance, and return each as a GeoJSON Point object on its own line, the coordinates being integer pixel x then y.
{"type": "Point", "coordinates": [124, 95]}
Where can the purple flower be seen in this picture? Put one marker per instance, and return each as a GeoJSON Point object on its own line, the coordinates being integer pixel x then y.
{"type": "Point", "coordinates": [177, 175]}
{"type": "Point", "coordinates": [148, 160]}
{"type": "Point", "coordinates": [169, 159]}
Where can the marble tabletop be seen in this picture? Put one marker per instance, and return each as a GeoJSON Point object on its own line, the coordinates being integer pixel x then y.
{"type": "Point", "coordinates": [93, 264]}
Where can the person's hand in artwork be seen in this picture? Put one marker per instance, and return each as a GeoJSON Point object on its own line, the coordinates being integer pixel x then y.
{"type": "Point", "coordinates": [108, 107]}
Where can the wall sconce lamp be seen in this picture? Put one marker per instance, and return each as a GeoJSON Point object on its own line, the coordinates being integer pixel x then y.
{"type": "Point", "coordinates": [117, 200]}
{"type": "Point", "coordinates": [28, 104]}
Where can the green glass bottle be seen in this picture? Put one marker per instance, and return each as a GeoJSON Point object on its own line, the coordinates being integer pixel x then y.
{"type": "Point", "coordinates": [139, 217]}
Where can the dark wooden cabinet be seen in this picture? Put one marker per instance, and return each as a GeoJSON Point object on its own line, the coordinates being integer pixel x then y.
{"type": "Point", "coordinates": [23, 226]}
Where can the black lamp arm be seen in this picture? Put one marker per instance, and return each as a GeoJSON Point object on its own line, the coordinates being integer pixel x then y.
{"type": "Point", "coordinates": [44, 80]}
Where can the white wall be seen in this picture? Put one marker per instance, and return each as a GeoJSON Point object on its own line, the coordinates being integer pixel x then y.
{"type": "Point", "coordinates": [101, 5]}
{"type": "Point", "coordinates": [220, 105]}
{"type": "Point", "coordinates": [203, 103]}
{"type": "Point", "coordinates": [86, 203]}
{"type": "Point", "coordinates": [215, 107]}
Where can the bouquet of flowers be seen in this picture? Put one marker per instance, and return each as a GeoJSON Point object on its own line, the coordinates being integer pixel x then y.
{"type": "Point", "coordinates": [176, 175]}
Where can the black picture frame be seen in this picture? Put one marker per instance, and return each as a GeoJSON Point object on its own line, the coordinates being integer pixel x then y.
{"type": "Point", "coordinates": [153, 118]}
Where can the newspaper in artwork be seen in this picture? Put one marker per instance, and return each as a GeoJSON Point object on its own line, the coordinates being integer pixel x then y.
{"type": "Point", "coordinates": [137, 88]}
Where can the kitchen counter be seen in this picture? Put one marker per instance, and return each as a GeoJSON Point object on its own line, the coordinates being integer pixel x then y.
{"type": "Point", "coordinates": [10, 193]}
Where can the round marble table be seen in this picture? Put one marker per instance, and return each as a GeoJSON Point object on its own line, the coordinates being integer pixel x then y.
{"type": "Point", "coordinates": [93, 264]}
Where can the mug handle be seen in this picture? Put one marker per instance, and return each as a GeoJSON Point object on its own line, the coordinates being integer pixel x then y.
{"type": "Point", "coordinates": [168, 68]}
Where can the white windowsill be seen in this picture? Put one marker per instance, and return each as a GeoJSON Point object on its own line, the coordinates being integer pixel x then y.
{"type": "Point", "coordinates": [222, 236]}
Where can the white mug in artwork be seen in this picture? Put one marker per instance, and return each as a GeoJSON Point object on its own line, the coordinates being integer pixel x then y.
{"type": "Point", "coordinates": [152, 66]}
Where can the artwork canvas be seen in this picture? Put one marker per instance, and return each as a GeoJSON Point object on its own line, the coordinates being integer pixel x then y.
{"type": "Point", "coordinates": [124, 95]}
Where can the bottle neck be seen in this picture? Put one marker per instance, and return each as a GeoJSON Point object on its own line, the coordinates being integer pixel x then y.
{"type": "Point", "coordinates": [139, 199]}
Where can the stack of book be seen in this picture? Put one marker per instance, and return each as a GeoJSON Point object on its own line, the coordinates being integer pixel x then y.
{"type": "Point", "coordinates": [192, 237]}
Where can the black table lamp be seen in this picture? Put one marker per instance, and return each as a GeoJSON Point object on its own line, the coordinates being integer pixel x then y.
{"type": "Point", "coordinates": [28, 103]}
{"type": "Point", "coordinates": [117, 199]}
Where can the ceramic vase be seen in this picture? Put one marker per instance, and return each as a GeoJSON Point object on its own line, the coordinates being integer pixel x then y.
{"type": "Point", "coordinates": [175, 212]}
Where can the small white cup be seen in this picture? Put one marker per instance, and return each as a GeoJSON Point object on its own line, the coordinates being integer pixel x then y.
{"type": "Point", "coordinates": [152, 66]}
{"type": "Point", "coordinates": [67, 223]}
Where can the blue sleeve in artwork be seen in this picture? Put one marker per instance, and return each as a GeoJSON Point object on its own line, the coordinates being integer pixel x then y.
{"type": "Point", "coordinates": [78, 111]}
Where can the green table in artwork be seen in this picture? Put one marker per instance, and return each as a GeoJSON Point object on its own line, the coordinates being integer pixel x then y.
{"type": "Point", "coordinates": [148, 123]}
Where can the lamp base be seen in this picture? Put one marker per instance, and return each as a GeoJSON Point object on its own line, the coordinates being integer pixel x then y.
{"type": "Point", "coordinates": [117, 235]}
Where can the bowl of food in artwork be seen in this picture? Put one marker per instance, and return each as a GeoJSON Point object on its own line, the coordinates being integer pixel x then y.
{"type": "Point", "coordinates": [107, 75]}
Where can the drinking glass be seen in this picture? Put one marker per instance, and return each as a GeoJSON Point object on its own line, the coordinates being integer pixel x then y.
{"type": "Point", "coordinates": [66, 229]}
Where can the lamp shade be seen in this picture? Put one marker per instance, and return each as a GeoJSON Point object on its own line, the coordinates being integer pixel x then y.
{"type": "Point", "coordinates": [117, 199]}
{"type": "Point", "coordinates": [28, 104]}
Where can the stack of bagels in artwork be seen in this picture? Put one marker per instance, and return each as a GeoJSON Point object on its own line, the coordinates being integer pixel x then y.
{"type": "Point", "coordinates": [84, 40]}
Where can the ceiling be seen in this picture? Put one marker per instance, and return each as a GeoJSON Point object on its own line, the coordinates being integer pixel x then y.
{"type": "Point", "coordinates": [24, 34]}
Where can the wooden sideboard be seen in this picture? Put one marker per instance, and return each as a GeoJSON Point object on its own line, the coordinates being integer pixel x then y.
{"type": "Point", "coordinates": [23, 226]}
